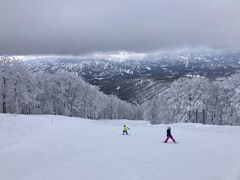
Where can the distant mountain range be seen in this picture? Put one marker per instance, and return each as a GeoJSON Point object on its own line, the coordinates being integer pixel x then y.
{"type": "Point", "coordinates": [137, 77]}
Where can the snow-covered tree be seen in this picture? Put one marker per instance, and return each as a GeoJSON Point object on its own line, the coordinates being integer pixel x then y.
{"type": "Point", "coordinates": [16, 87]}
{"type": "Point", "coordinates": [197, 100]}
{"type": "Point", "coordinates": [188, 97]}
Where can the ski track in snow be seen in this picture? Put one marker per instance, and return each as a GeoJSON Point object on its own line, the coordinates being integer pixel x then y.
{"type": "Point", "coordinates": [61, 148]}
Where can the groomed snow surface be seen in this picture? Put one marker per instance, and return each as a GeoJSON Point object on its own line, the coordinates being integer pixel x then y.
{"type": "Point", "coordinates": [64, 148]}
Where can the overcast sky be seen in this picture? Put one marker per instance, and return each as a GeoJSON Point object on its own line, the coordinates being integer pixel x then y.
{"type": "Point", "coordinates": [78, 26]}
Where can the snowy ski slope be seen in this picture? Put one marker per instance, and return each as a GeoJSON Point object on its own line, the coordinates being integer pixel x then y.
{"type": "Point", "coordinates": [64, 148]}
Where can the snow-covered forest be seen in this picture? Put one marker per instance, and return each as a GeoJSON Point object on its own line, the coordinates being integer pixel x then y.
{"type": "Point", "coordinates": [195, 99]}
{"type": "Point", "coordinates": [62, 93]}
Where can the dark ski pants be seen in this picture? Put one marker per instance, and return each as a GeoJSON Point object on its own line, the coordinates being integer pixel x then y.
{"type": "Point", "coordinates": [170, 138]}
{"type": "Point", "coordinates": [125, 132]}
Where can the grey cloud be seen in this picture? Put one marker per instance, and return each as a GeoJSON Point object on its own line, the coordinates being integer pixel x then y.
{"type": "Point", "coordinates": [77, 26]}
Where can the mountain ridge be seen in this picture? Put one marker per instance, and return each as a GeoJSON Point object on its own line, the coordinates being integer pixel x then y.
{"type": "Point", "coordinates": [138, 77]}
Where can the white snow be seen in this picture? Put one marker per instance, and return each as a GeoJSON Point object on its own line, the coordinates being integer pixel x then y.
{"type": "Point", "coordinates": [129, 71]}
{"type": "Point", "coordinates": [64, 148]}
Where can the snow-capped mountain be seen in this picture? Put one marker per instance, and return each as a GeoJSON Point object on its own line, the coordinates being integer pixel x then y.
{"type": "Point", "coordinates": [137, 77]}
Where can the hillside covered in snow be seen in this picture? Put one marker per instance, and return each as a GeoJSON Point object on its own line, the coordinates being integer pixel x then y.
{"type": "Point", "coordinates": [37, 147]}
{"type": "Point", "coordinates": [138, 77]}
{"type": "Point", "coordinates": [188, 99]}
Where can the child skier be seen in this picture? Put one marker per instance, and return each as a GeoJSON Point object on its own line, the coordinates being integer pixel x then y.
{"type": "Point", "coordinates": [125, 129]}
{"type": "Point", "coordinates": [169, 135]}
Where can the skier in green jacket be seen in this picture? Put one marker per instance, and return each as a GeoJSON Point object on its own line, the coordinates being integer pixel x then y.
{"type": "Point", "coordinates": [125, 129]}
